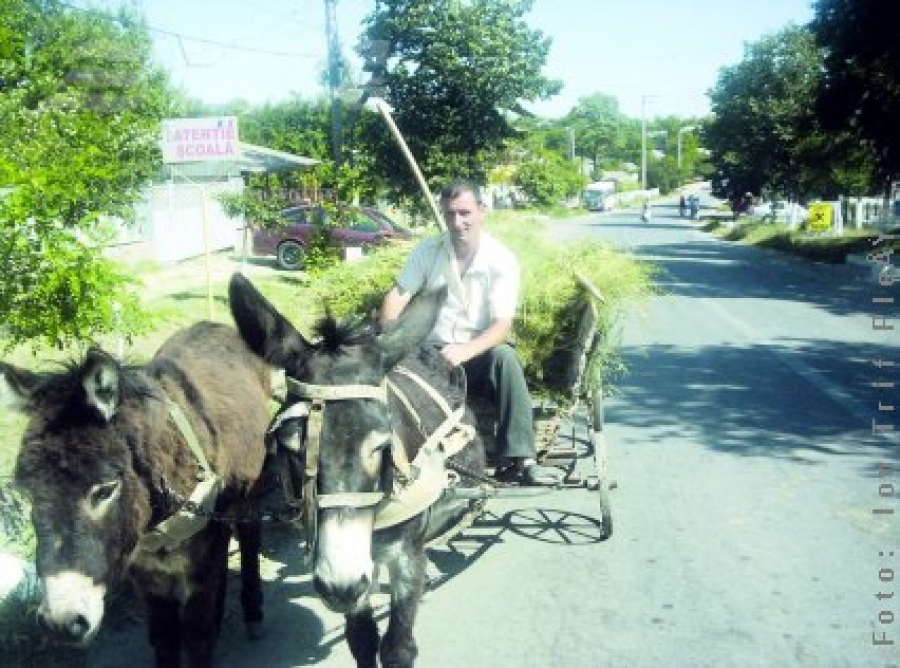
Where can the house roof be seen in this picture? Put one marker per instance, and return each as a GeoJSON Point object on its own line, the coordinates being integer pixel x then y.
{"type": "Point", "coordinates": [261, 160]}
{"type": "Point", "coordinates": [253, 159]}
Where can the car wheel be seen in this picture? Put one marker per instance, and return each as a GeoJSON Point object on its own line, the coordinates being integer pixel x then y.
{"type": "Point", "coordinates": [290, 255]}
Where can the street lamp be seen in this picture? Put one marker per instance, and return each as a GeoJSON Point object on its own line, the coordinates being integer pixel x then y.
{"type": "Point", "coordinates": [571, 144]}
{"type": "Point", "coordinates": [686, 128]}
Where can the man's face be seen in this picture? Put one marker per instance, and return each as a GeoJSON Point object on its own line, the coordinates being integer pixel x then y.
{"type": "Point", "coordinates": [463, 215]}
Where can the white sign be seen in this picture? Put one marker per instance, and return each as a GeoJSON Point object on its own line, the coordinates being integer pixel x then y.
{"type": "Point", "coordinates": [200, 139]}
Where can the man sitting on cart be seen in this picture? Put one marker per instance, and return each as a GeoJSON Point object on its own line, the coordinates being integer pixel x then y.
{"type": "Point", "coordinates": [475, 321]}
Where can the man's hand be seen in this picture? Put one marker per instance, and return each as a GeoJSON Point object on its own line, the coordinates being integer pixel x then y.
{"type": "Point", "coordinates": [457, 353]}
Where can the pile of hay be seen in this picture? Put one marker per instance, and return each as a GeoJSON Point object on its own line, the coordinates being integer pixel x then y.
{"type": "Point", "coordinates": [551, 301]}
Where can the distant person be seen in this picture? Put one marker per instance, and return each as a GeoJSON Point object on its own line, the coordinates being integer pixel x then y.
{"type": "Point", "coordinates": [646, 212]}
{"type": "Point", "coordinates": [695, 207]}
{"type": "Point", "coordinates": [682, 206]}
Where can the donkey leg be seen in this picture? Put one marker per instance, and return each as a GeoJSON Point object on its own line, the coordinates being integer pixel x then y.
{"type": "Point", "coordinates": [362, 637]}
{"type": "Point", "coordinates": [163, 630]}
{"type": "Point", "coordinates": [398, 648]}
{"type": "Point", "coordinates": [200, 622]}
{"type": "Point", "coordinates": [203, 611]}
{"type": "Point", "coordinates": [249, 536]}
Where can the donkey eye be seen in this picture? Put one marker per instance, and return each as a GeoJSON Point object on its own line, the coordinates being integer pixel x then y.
{"type": "Point", "coordinates": [102, 493]}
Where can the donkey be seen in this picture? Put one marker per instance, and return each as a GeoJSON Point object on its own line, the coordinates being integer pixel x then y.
{"type": "Point", "coordinates": [384, 418]}
{"type": "Point", "coordinates": [110, 458]}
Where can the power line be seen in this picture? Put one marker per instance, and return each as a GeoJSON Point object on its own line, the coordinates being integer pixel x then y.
{"type": "Point", "coordinates": [192, 38]}
{"type": "Point", "coordinates": [232, 46]}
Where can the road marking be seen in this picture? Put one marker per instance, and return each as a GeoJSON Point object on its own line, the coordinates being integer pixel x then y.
{"type": "Point", "coordinates": [832, 390]}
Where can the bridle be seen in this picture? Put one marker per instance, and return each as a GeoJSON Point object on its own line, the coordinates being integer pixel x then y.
{"type": "Point", "coordinates": [425, 477]}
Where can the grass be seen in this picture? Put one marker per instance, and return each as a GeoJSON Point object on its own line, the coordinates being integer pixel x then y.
{"type": "Point", "coordinates": [552, 300]}
{"type": "Point", "coordinates": [817, 248]}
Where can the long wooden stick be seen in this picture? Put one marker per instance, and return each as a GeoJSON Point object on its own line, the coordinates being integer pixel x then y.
{"type": "Point", "coordinates": [386, 114]}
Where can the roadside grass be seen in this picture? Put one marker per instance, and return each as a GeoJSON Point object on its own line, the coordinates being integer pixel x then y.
{"type": "Point", "coordinates": [817, 248]}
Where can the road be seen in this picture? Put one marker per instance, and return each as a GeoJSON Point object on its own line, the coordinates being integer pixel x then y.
{"type": "Point", "coordinates": [747, 475]}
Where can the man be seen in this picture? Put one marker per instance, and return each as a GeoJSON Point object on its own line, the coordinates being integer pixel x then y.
{"type": "Point", "coordinates": [475, 321]}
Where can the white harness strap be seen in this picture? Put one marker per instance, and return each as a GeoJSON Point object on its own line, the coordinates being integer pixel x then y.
{"type": "Point", "coordinates": [427, 474]}
{"type": "Point", "coordinates": [338, 392]}
{"type": "Point", "coordinates": [174, 530]}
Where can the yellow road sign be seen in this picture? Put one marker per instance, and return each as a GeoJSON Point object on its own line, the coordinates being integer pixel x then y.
{"type": "Point", "coordinates": [821, 216]}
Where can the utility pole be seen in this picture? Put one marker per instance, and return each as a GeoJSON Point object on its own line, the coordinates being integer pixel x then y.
{"type": "Point", "coordinates": [334, 79]}
{"type": "Point", "coordinates": [644, 99]}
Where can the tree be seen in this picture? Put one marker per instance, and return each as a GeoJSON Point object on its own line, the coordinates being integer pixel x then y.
{"type": "Point", "coordinates": [455, 72]}
{"type": "Point", "coordinates": [546, 178]}
{"type": "Point", "coordinates": [599, 129]}
{"type": "Point", "coordinates": [861, 88]}
{"type": "Point", "coordinates": [80, 108]}
{"type": "Point", "coordinates": [765, 135]}
{"type": "Point", "coordinates": [761, 106]}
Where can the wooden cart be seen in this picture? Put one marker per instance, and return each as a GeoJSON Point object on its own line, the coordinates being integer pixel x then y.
{"type": "Point", "coordinates": [583, 467]}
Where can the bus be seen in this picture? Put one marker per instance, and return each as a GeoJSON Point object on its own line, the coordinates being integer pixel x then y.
{"type": "Point", "coordinates": [597, 196]}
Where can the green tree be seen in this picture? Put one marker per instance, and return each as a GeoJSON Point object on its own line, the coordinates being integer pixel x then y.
{"type": "Point", "coordinates": [598, 130]}
{"type": "Point", "coordinates": [765, 134]}
{"type": "Point", "coordinates": [762, 106]}
{"type": "Point", "coordinates": [455, 73]}
{"type": "Point", "coordinates": [861, 87]}
{"type": "Point", "coordinates": [546, 178]}
{"type": "Point", "coordinates": [80, 111]}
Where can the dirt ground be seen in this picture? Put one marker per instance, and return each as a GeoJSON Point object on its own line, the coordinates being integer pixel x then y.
{"type": "Point", "coordinates": [193, 272]}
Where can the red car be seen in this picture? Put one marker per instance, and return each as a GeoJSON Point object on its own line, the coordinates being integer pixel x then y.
{"type": "Point", "coordinates": [364, 227]}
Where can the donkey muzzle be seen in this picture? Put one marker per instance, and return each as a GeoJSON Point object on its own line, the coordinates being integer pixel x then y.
{"type": "Point", "coordinates": [343, 573]}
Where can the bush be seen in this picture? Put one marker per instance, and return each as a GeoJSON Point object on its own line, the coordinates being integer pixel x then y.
{"type": "Point", "coordinates": [546, 179]}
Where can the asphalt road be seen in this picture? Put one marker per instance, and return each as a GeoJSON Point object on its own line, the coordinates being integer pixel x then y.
{"type": "Point", "coordinates": [747, 475]}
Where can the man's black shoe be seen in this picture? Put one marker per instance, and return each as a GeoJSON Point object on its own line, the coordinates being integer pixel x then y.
{"type": "Point", "coordinates": [531, 475]}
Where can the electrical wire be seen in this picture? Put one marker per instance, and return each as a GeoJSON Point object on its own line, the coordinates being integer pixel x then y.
{"type": "Point", "coordinates": [192, 38]}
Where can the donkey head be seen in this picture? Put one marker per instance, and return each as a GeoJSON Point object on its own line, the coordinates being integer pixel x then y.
{"type": "Point", "coordinates": [75, 466]}
{"type": "Point", "coordinates": [346, 367]}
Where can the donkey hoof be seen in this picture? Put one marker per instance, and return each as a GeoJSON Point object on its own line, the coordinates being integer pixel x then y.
{"type": "Point", "coordinates": [255, 630]}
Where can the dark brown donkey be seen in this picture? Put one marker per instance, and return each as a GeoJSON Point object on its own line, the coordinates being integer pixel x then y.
{"type": "Point", "coordinates": [107, 467]}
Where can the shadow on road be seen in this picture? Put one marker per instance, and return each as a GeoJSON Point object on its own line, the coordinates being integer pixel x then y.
{"type": "Point", "coordinates": [748, 400]}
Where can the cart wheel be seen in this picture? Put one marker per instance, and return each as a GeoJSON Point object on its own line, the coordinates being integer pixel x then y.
{"type": "Point", "coordinates": [605, 511]}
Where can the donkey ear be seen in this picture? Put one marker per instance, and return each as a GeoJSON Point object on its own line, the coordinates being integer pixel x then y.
{"type": "Point", "coordinates": [100, 380]}
{"type": "Point", "coordinates": [265, 331]}
{"type": "Point", "coordinates": [17, 387]}
{"type": "Point", "coordinates": [409, 331]}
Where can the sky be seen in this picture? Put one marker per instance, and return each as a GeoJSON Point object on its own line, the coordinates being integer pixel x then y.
{"type": "Point", "coordinates": [658, 57]}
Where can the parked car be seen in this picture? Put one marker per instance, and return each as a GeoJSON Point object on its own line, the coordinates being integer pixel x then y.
{"type": "Point", "coordinates": [363, 227]}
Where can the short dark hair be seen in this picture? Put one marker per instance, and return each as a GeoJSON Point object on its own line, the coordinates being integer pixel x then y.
{"type": "Point", "coordinates": [458, 187]}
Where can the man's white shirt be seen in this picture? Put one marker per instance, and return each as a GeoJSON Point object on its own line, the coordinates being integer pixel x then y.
{"type": "Point", "coordinates": [489, 290]}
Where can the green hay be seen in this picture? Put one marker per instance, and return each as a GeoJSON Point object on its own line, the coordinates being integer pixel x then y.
{"type": "Point", "coordinates": [551, 301]}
